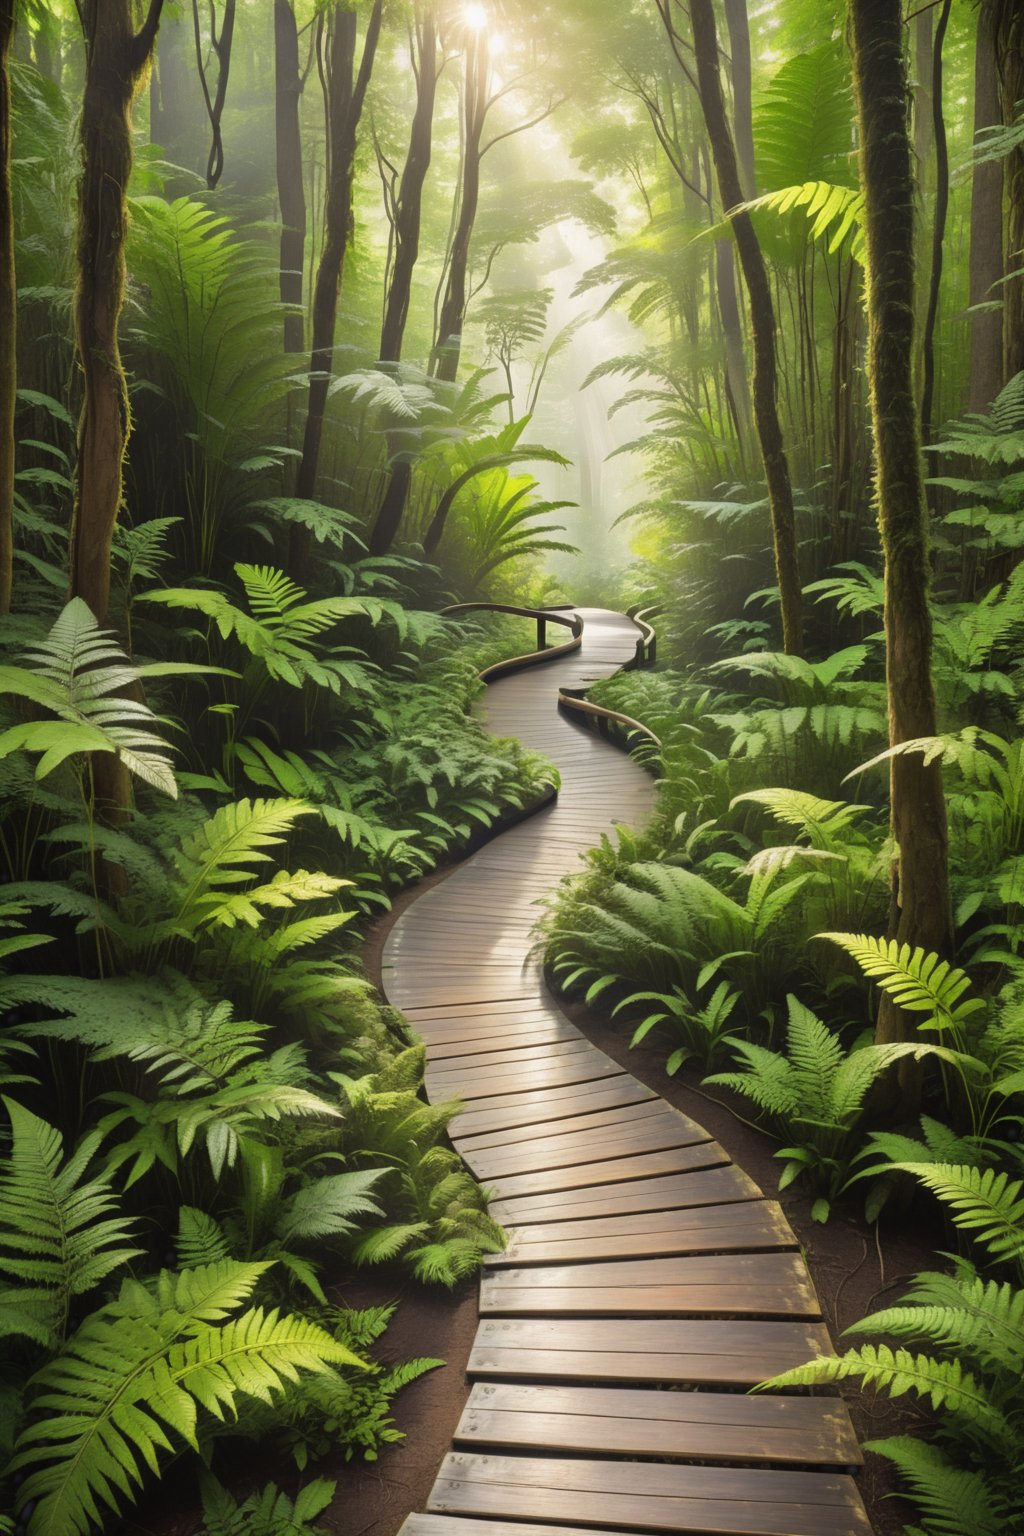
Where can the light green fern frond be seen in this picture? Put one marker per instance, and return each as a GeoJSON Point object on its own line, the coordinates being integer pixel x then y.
{"type": "Point", "coordinates": [944, 1383]}
{"type": "Point", "coordinates": [982, 1201]}
{"type": "Point", "coordinates": [917, 980]}
{"type": "Point", "coordinates": [131, 1383]}
{"type": "Point", "coordinates": [79, 674]}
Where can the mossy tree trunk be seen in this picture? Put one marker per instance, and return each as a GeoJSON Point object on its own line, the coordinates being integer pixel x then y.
{"type": "Point", "coordinates": [8, 316]}
{"type": "Point", "coordinates": [762, 315]}
{"type": "Point", "coordinates": [116, 59]}
{"type": "Point", "coordinates": [346, 96]}
{"type": "Point", "coordinates": [920, 906]}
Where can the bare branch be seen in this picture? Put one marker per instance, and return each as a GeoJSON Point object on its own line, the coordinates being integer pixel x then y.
{"type": "Point", "coordinates": [552, 106]}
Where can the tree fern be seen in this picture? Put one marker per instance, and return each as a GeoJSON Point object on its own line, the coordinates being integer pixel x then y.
{"type": "Point", "coordinates": [835, 213]}
{"type": "Point", "coordinates": [131, 1382]}
{"type": "Point", "coordinates": [61, 1234]}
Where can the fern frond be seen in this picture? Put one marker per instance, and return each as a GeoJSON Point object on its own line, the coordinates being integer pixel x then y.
{"type": "Point", "coordinates": [136, 1374]}
{"type": "Point", "coordinates": [79, 674]}
{"type": "Point", "coordinates": [954, 1500]}
{"type": "Point", "coordinates": [200, 1239]}
{"type": "Point", "coordinates": [59, 1232]}
{"type": "Point", "coordinates": [327, 1207]}
{"type": "Point", "coordinates": [944, 1383]}
{"type": "Point", "coordinates": [917, 980]}
{"type": "Point", "coordinates": [982, 1201]}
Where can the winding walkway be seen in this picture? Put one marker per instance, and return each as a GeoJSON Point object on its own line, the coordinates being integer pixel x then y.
{"type": "Point", "coordinates": [647, 1282]}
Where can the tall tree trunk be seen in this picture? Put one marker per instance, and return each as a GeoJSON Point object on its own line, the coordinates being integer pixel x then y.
{"type": "Point", "coordinates": [408, 218]}
{"type": "Point", "coordinates": [1009, 25]}
{"type": "Point", "coordinates": [986, 259]}
{"type": "Point", "coordinates": [116, 58]}
{"type": "Point", "coordinates": [448, 343]}
{"type": "Point", "coordinates": [762, 314]}
{"type": "Point", "coordinates": [8, 316]}
{"type": "Point", "coordinates": [49, 61]}
{"type": "Point", "coordinates": [409, 208]}
{"type": "Point", "coordinates": [291, 194]}
{"type": "Point", "coordinates": [938, 225]}
{"type": "Point", "coordinates": [738, 23]}
{"type": "Point", "coordinates": [920, 909]}
{"type": "Point", "coordinates": [346, 97]}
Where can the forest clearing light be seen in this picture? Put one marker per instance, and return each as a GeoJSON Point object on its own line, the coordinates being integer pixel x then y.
{"type": "Point", "coordinates": [475, 16]}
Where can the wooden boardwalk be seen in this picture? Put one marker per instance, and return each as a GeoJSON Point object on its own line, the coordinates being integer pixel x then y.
{"type": "Point", "coordinates": [647, 1282]}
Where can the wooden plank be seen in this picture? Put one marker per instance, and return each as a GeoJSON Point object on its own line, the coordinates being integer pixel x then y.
{"type": "Point", "coordinates": [617, 1116]}
{"type": "Point", "coordinates": [578, 1147]}
{"type": "Point", "coordinates": [641, 1166]}
{"type": "Point", "coordinates": [508, 1110]}
{"type": "Point", "coordinates": [489, 1082]}
{"type": "Point", "coordinates": [651, 1495]}
{"type": "Point", "coordinates": [755, 1224]}
{"type": "Point", "coordinates": [452, 1050]}
{"type": "Point", "coordinates": [451, 1525]}
{"type": "Point", "coordinates": [757, 1285]}
{"type": "Point", "coordinates": [700, 1353]}
{"type": "Point", "coordinates": [710, 1186]}
{"type": "Point", "coordinates": [707, 1426]}
{"type": "Point", "coordinates": [511, 1055]}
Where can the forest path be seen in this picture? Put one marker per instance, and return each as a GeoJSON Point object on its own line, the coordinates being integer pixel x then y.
{"type": "Point", "coordinates": [647, 1282]}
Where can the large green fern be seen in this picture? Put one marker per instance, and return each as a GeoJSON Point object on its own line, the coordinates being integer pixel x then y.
{"type": "Point", "coordinates": [814, 1094]}
{"type": "Point", "coordinates": [136, 1378]}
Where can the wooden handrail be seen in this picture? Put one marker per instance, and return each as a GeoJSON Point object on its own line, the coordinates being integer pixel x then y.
{"type": "Point", "coordinates": [544, 652]}
{"type": "Point", "coordinates": [567, 699]}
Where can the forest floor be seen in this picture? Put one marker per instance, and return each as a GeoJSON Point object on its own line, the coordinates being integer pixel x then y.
{"type": "Point", "coordinates": [855, 1271]}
